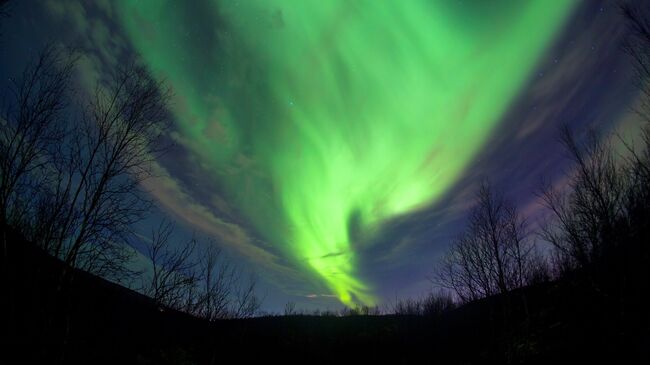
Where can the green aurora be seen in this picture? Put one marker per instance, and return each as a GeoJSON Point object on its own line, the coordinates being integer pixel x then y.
{"type": "Point", "coordinates": [321, 119]}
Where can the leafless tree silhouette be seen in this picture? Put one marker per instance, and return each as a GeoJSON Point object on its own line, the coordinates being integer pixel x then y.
{"type": "Point", "coordinates": [290, 308]}
{"type": "Point", "coordinates": [493, 255]}
{"type": "Point", "coordinates": [86, 212]}
{"type": "Point", "coordinates": [431, 305]}
{"type": "Point", "coordinates": [32, 127]}
{"type": "Point", "coordinates": [209, 286]}
{"type": "Point", "coordinates": [587, 211]}
{"type": "Point", "coordinates": [246, 303]}
{"type": "Point", "coordinates": [172, 278]}
{"type": "Point", "coordinates": [217, 275]}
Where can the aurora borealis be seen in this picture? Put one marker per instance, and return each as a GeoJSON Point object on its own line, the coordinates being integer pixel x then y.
{"type": "Point", "coordinates": [329, 145]}
{"type": "Point", "coordinates": [355, 111]}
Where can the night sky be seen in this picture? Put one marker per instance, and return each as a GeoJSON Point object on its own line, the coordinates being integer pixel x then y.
{"type": "Point", "coordinates": [334, 147]}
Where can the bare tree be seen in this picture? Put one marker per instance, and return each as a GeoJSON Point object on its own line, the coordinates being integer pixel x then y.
{"type": "Point", "coordinates": [600, 222]}
{"type": "Point", "coordinates": [246, 302]}
{"type": "Point", "coordinates": [290, 308]}
{"type": "Point", "coordinates": [432, 305]}
{"type": "Point", "coordinates": [209, 287]}
{"type": "Point", "coordinates": [436, 304]}
{"type": "Point", "coordinates": [586, 213]}
{"type": "Point", "coordinates": [86, 213]}
{"type": "Point", "coordinates": [359, 310]}
{"type": "Point", "coordinates": [217, 275]}
{"type": "Point", "coordinates": [32, 127]}
{"type": "Point", "coordinates": [173, 275]}
{"type": "Point", "coordinates": [406, 307]}
{"type": "Point", "coordinates": [492, 255]}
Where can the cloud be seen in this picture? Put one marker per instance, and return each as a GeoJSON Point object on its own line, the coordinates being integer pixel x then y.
{"type": "Point", "coordinates": [314, 296]}
{"type": "Point", "coordinates": [583, 58]}
{"type": "Point", "coordinates": [174, 199]}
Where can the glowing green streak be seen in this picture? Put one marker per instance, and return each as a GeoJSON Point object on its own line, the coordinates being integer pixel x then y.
{"type": "Point", "coordinates": [315, 113]}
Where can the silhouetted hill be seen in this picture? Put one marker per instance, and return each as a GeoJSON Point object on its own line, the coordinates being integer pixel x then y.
{"type": "Point", "coordinates": [107, 323]}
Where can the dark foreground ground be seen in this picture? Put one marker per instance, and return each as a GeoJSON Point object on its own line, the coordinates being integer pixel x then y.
{"type": "Point", "coordinates": [561, 322]}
